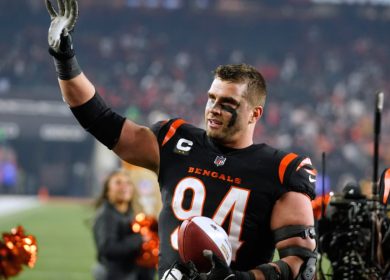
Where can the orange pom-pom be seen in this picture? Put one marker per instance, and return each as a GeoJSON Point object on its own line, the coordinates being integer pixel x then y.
{"type": "Point", "coordinates": [16, 250]}
{"type": "Point", "coordinates": [147, 227]}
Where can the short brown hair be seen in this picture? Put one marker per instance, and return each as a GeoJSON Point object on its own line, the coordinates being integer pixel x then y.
{"type": "Point", "coordinates": [240, 73]}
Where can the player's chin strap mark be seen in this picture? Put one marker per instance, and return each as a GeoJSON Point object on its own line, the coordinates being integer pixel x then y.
{"type": "Point", "coordinates": [231, 111]}
{"type": "Point", "coordinates": [308, 268]}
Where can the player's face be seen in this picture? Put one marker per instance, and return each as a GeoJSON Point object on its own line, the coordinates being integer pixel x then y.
{"type": "Point", "coordinates": [120, 189]}
{"type": "Point", "coordinates": [227, 112]}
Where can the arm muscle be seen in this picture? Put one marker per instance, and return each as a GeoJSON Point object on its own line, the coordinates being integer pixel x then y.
{"type": "Point", "coordinates": [137, 144]}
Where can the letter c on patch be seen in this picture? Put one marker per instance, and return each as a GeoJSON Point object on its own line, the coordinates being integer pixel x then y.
{"type": "Point", "coordinates": [184, 145]}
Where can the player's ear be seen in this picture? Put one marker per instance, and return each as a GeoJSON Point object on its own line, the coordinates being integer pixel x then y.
{"type": "Point", "coordinates": [257, 112]}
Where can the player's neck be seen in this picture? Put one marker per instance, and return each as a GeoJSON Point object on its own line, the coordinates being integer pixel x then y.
{"type": "Point", "coordinates": [241, 140]}
{"type": "Point", "coordinates": [230, 146]}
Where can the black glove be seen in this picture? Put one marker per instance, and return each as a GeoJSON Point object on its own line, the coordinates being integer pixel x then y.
{"type": "Point", "coordinates": [62, 22]}
{"type": "Point", "coordinates": [221, 271]}
{"type": "Point", "coordinates": [60, 41]}
{"type": "Point", "coordinates": [65, 51]}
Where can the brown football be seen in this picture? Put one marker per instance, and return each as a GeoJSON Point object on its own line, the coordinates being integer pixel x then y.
{"type": "Point", "coordinates": [200, 233]}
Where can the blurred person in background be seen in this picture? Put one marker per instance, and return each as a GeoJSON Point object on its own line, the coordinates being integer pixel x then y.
{"type": "Point", "coordinates": [8, 171]}
{"type": "Point", "coordinates": [218, 172]}
{"type": "Point", "coordinates": [117, 245]}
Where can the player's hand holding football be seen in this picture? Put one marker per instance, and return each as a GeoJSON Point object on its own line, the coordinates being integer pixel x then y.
{"type": "Point", "coordinates": [221, 271]}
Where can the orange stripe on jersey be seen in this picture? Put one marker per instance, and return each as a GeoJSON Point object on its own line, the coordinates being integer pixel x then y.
{"type": "Point", "coordinates": [284, 163]}
{"type": "Point", "coordinates": [172, 130]}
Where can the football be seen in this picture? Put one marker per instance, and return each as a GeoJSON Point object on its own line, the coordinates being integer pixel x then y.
{"type": "Point", "coordinates": [199, 233]}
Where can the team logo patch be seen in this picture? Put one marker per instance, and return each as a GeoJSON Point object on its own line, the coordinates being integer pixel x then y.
{"type": "Point", "coordinates": [183, 146]}
{"type": "Point", "coordinates": [219, 160]}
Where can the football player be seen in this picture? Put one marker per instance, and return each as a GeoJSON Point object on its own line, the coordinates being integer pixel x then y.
{"type": "Point", "coordinates": [260, 195]}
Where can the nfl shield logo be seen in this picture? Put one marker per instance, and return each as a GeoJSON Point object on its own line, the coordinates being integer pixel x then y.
{"type": "Point", "coordinates": [219, 160]}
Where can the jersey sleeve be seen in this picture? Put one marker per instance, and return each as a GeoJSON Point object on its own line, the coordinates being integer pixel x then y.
{"type": "Point", "coordinates": [165, 130]}
{"type": "Point", "coordinates": [297, 174]}
{"type": "Point", "coordinates": [158, 126]}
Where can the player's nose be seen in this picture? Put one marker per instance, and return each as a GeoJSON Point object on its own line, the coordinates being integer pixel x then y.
{"type": "Point", "coordinates": [216, 109]}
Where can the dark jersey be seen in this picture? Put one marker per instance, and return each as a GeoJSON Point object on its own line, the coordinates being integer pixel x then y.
{"type": "Point", "coordinates": [236, 187]}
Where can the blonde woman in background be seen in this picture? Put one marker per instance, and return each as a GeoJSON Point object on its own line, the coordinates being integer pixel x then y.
{"type": "Point", "coordinates": [117, 245]}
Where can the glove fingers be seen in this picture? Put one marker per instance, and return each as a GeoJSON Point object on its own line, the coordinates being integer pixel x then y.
{"type": "Point", "coordinates": [61, 7]}
{"type": "Point", "coordinates": [51, 10]}
{"type": "Point", "coordinates": [67, 8]}
{"type": "Point", "coordinates": [73, 14]}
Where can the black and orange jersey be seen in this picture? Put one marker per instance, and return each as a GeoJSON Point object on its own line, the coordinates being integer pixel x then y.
{"type": "Point", "coordinates": [236, 187]}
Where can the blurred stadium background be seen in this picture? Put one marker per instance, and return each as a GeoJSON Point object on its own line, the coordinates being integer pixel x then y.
{"type": "Point", "coordinates": [324, 60]}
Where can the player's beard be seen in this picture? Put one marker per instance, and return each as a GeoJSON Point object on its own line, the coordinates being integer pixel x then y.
{"type": "Point", "coordinates": [224, 134]}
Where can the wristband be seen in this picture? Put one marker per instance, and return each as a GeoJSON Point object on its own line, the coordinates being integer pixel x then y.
{"type": "Point", "coordinates": [65, 60]}
{"type": "Point", "coordinates": [67, 69]}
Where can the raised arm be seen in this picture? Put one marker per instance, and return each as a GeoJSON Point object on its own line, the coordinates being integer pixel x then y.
{"type": "Point", "coordinates": [131, 142]}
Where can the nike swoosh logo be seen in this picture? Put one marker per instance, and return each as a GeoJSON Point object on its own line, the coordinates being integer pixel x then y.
{"type": "Point", "coordinates": [311, 179]}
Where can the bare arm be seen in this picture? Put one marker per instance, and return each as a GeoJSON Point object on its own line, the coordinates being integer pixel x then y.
{"type": "Point", "coordinates": [76, 91]}
{"type": "Point", "coordinates": [131, 142]}
{"type": "Point", "coordinates": [137, 144]}
{"type": "Point", "coordinates": [291, 209]}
